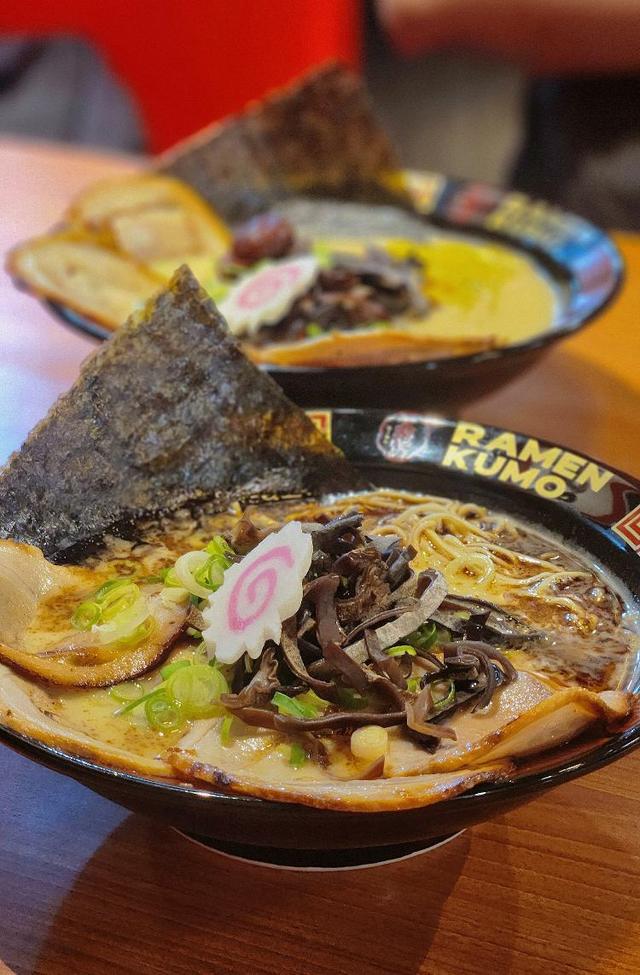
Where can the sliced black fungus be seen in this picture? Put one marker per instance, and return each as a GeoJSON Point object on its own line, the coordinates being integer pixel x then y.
{"type": "Point", "coordinates": [483, 621]}
{"type": "Point", "coordinates": [329, 538]}
{"type": "Point", "coordinates": [321, 593]}
{"type": "Point", "coordinates": [382, 663]}
{"type": "Point", "coordinates": [398, 565]}
{"type": "Point", "coordinates": [324, 689]}
{"type": "Point", "coordinates": [360, 598]}
{"type": "Point", "coordinates": [353, 673]}
{"type": "Point", "coordinates": [262, 686]}
{"type": "Point", "coordinates": [339, 722]}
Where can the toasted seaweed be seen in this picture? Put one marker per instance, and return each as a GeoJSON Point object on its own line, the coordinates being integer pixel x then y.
{"type": "Point", "coordinates": [318, 135]}
{"type": "Point", "coordinates": [167, 413]}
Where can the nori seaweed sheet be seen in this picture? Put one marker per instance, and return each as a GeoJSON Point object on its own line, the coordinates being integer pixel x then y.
{"type": "Point", "coordinates": [168, 412]}
{"type": "Point", "coordinates": [317, 136]}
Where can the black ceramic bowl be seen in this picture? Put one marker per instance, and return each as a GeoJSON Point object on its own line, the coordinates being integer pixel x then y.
{"type": "Point", "coordinates": [598, 510]}
{"type": "Point", "coordinates": [582, 261]}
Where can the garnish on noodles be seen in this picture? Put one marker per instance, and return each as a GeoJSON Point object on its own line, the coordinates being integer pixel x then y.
{"type": "Point", "coordinates": [378, 650]}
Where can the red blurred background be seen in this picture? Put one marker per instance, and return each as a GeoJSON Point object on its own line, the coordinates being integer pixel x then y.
{"type": "Point", "coordinates": [176, 56]}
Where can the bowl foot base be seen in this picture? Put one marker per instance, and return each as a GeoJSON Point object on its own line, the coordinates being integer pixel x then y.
{"type": "Point", "coordinates": [355, 859]}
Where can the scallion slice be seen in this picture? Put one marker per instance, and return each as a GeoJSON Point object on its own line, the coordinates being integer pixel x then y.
{"type": "Point", "coordinates": [115, 612]}
{"type": "Point", "coordinates": [197, 689]}
{"type": "Point", "coordinates": [121, 622]}
{"type": "Point", "coordinates": [220, 549]}
{"type": "Point", "coordinates": [85, 615]}
{"type": "Point", "coordinates": [164, 714]}
{"type": "Point", "coordinates": [310, 699]}
{"type": "Point", "coordinates": [169, 669]}
{"type": "Point", "coordinates": [225, 731]}
{"type": "Point", "coordinates": [124, 693]}
{"type": "Point", "coordinates": [400, 651]}
{"type": "Point", "coordinates": [186, 569]}
{"type": "Point", "coordinates": [424, 637]}
{"type": "Point", "coordinates": [448, 699]}
{"type": "Point", "coordinates": [351, 700]}
{"type": "Point", "coordinates": [292, 707]}
{"type": "Point", "coordinates": [132, 705]}
{"type": "Point", "coordinates": [297, 755]}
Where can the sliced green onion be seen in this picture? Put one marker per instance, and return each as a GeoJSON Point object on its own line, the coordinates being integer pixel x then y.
{"type": "Point", "coordinates": [169, 669]}
{"type": "Point", "coordinates": [185, 571]}
{"type": "Point", "coordinates": [351, 700]}
{"type": "Point", "coordinates": [225, 731]}
{"type": "Point", "coordinates": [202, 572]}
{"type": "Point", "coordinates": [292, 707]}
{"type": "Point", "coordinates": [413, 685]}
{"type": "Point", "coordinates": [297, 756]}
{"type": "Point", "coordinates": [172, 595]}
{"type": "Point", "coordinates": [109, 589]}
{"type": "Point", "coordinates": [126, 692]}
{"type": "Point", "coordinates": [196, 690]}
{"type": "Point", "coordinates": [170, 578]}
{"type": "Point", "coordinates": [115, 611]}
{"type": "Point", "coordinates": [424, 637]}
{"type": "Point", "coordinates": [164, 714]}
{"type": "Point", "coordinates": [136, 636]}
{"type": "Point", "coordinates": [132, 705]}
{"type": "Point", "coordinates": [115, 596]}
{"type": "Point", "coordinates": [448, 699]}
{"type": "Point", "coordinates": [310, 699]}
{"type": "Point", "coordinates": [196, 634]}
{"type": "Point", "coordinates": [400, 651]}
{"type": "Point", "coordinates": [120, 624]}
{"type": "Point", "coordinates": [313, 330]}
{"type": "Point", "coordinates": [220, 549]}
{"type": "Point", "coordinates": [210, 575]}
{"type": "Point", "coordinates": [86, 615]}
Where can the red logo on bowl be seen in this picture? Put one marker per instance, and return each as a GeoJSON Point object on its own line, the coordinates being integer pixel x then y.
{"type": "Point", "coordinates": [402, 438]}
{"type": "Point", "coordinates": [322, 420]}
{"type": "Point", "coordinates": [629, 528]}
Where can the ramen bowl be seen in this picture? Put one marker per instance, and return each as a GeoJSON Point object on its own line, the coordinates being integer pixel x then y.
{"type": "Point", "coordinates": [579, 264]}
{"type": "Point", "coordinates": [592, 508]}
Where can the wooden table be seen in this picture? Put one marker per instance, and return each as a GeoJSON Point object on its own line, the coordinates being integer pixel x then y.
{"type": "Point", "coordinates": [87, 889]}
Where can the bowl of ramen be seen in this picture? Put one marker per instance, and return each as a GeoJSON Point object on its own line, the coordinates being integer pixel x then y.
{"type": "Point", "coordinates": [349, 629]}
{"type": "Point", "coordinates": [350, 280]}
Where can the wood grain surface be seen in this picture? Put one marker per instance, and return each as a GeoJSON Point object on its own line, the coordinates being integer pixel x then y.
{"type": "Point", "coordinates": [87, 889]}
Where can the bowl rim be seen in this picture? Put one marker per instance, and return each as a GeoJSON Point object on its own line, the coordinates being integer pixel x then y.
{"type": "Point", "coordinates": [439, 211]}
{"type": "Point", "coordinates": [555, 773]}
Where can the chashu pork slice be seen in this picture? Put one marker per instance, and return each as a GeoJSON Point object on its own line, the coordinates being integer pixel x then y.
{"type": "Point", "coordinates": [524, 718]}
{"type": "Point", "coordinates": [168, 412]}
{"type": "Point", "coordinates": [33, 711]}
{"type": "Point", "coordinates": [257, 763]}
{"type": "Point", "coordinates": [45, 645]}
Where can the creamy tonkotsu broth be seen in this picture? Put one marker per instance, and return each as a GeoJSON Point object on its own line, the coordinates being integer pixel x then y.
{"type": "Point", "coordinates": [564, 644]}
{"type": "Point", "coordinates": [322, 282]}
{"type": "Point", "coordinates": [475, 287]}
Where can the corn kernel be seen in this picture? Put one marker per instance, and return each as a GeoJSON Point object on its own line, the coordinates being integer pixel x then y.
{"type": "Point", "coordinates": [369, 743]}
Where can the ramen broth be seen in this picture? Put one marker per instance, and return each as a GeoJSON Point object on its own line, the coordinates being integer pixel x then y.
{"type": "Point", "coordinates": [475, 287]}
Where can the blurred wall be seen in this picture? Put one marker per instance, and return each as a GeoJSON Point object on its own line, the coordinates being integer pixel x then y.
{"type": "Point", "coordinates": [61, 88]}
{"type": "Point", "coordinates": [450, 112]}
